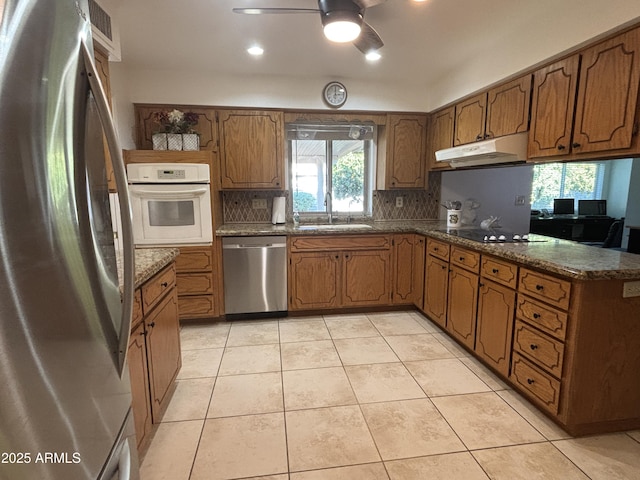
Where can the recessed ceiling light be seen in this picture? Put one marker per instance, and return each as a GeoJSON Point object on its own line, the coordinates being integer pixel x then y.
{"type": "Point", "coordinates": [373, 56]}
{"type": "Point", "coordinates": [255, 50]}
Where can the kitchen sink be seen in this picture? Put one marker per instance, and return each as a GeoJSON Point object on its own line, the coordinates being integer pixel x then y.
{"type": "Point", "coordinates": [340, 226]}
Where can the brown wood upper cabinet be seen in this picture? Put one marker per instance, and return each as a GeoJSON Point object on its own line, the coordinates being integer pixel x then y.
{"type": "Point", "coordinates": [602, 83]}
{"type": "Point", "coordinates": [404, 160]}
{"type": "Point", "coordinates": [503, 110]}
{"type": "Point", "coordinates": [251, 149]}
{"type": "Point", "coordinates": [440, 136]}
{"type": "Point", "coordinates": [206, 127]}
{"type": "Point", "coordinates": [102, 66]}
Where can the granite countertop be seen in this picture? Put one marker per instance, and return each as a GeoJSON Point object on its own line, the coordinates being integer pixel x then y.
{"type": "Point", "coordinates": [562, 257]}
{"type": "Point", "coordinates": [148, 262]}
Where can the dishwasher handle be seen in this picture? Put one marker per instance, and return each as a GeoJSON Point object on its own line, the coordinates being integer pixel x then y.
{"type": "Point", "coordinates": [244, 246]}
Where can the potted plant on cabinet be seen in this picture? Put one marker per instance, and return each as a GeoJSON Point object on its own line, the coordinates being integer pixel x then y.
{"type": "Point", "coordinates": [176, 131]}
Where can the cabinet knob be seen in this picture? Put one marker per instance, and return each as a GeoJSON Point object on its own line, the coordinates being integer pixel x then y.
{"type": "Point", "coordinates": [461, 259]}
{"type": "Point", "coordinates": [533, 346]}
{"type": "Point", "coordinates": [539, 287]}
{"type": "Point", "coordinates": [152, 324]}
{"type": "Point", "coordinates": [536, 315]}
{"type": "Point", "coordinates": [576, 145]}
{"type": "Point", "coordinates": [561, 147]}
{"type": "Point", "coordinates": [164, 284]}
{"type": "Point", "coordinates": [479, 137]}
{"type": "Point", "coordinates": [494, 270]}
{"type": "Point", "coordinates": [530, 381]}
{"type": "Point", "coordinates": [337, 256]}
{"type": "Point", "coordinates": [487, 135]}
{"type": "Point", "coordinates": [443, 267]}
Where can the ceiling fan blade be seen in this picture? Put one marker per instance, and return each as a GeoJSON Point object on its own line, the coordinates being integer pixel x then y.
{"type": "Point", "coordinates": [368, 40]}
{"type": "Point", "coordinates": [368, 3]}
{"type": "Point", "coordinates": [260, 11]}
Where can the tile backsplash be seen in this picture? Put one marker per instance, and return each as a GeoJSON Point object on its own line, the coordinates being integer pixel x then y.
{"type": "Point", "coordinates": [416, 204]}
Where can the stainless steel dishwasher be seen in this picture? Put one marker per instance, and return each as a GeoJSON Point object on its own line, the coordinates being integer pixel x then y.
{"type": "Point", "coordinates": [255, 276]}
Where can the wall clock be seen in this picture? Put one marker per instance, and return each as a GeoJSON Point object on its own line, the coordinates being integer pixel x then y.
{"type": "Point", "coordinates": [334, 94]}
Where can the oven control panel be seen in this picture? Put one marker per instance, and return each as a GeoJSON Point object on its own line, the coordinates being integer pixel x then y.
{"type": "Point", "coordinates": [171, 174]}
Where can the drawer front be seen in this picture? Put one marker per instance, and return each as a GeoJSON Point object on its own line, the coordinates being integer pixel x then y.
{"type": "Point", "coordinates": [195, 306]}
{"type": "Point", "coordinates": [499, 271]}
{"type": "Point", "coordinates": [194, 283]}
{"type": "Point", "coordinates": [137, 308]}
{"type": "Point", "coordinates": [547, 319]}
{"type": "Point", "coordinates": [438, 249]}
{"type": "Point", "coordinates": [323, 243]}
{"type": "Point", "coordinates": [536, 382]}
{"type": "Point", "coordinates": [543, 350]}
{"type": "Point", "coordinates": [193, 259]}
{"type": "Point", "coordinates": [467, 259]}
{"type": "Point", "coordinates": [545, 287]}
{"type": "Point", "coordinates": [155, 289]}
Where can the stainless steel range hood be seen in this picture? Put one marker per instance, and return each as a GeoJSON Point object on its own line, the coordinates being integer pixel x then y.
{"type": "Point", "coordinates": [509, 149]}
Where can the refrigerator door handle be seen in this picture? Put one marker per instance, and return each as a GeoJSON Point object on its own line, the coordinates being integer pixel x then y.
{"type": "Point", "coordinates": [125, 207]}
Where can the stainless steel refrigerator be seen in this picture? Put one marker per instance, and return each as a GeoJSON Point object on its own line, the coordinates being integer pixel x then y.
{"type": "Point", "coordinates": [65, 403]}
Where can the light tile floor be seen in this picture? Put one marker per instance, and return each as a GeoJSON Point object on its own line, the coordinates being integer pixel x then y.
{"type": "Point", "coordinates": [383, 396]}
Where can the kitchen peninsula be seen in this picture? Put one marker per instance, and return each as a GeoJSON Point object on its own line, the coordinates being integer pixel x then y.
{"type": "Point", "coordinates": [556, 319]}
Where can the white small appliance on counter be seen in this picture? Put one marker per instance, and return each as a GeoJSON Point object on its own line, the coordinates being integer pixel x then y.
{"type": "Point", "coordinates": [278, 211]}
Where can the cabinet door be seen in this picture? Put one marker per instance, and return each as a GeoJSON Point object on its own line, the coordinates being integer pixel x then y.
{"type": "Point", "coordinates": [462, 305]}
{"type": "Point", "coordinates": [554, 93]}
{"type": "Point", "coordinates": [470, 120]}
{"type": "Point", "coordinates": [495, 325]}
{"type": "Point", "coordinates": [436, 278]}
{"type": "Point", "coordinates": [366, 278]}
{"type": "Point", "coordinates": [405, 265]}
{"type": "Point", "coordinates": [607, 95]}
{"type": "Point", "coordinates": [406, 143]}
{"type": "Point", "coordinates": [163, 351]}
{"type": "Point", "coordinates": [440, 136]}
{"type": "Point", "coordinates": [314, 280]}
{"type": "Point", "coordinates": [139, 377]}
{"type": "Point", "coordinates": [251, 149]}
{"type": "Point", "coordinates": [508, 108]}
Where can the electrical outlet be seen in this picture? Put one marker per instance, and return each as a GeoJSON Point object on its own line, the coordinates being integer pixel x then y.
{"type": "Point", "coordinates": [259, 203]}
{"type": "Point", "coordinates": [521, 200]}
{"type": "Point", "coordinates": [399, 202]}
{"type": "Point", "coordinates": [631, 289]}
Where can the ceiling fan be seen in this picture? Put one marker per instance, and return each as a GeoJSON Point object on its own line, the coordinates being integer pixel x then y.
{"type": "Point", "coordinates": [342, 21]}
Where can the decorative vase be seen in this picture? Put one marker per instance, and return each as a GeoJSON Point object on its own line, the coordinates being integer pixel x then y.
{"type": "Point", "coordinates": [159, 141]}
{"type": "Point", "coordinates": [174, 141]}
{"type": "Point", "coordinates": [190, 141]}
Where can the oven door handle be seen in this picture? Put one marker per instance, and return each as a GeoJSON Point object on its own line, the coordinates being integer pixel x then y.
{"type": "Point", "coordinates": [192, 192]}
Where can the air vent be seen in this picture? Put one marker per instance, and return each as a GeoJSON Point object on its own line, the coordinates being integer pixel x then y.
{"type": "Point", "coordinates": [100, 19]}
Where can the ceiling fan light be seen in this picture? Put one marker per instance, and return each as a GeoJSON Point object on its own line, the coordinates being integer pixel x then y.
{"type": "Point", "coordinates": [373, 56]}
{"type": "Point", "coordinates": [342, 31]}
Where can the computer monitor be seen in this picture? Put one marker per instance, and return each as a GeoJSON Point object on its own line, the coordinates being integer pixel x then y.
{"type": "Point", "coordinates": [563, 206]}
{"type": "Point", "coordinates": [592, 207]}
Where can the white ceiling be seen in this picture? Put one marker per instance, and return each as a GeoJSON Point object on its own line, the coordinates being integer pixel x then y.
{"type": "Point", "coordinates": [424, 42]}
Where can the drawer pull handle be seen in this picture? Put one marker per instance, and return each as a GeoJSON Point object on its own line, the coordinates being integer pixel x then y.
{"type": "Point", "coordinates": [533, 346]}
{"type": "Point", "coordinates": [536, 315]}
{"type": "Point", "coordinates": [530, 381]}
{"type": "Point", "coordinates": [494, 270]}
{"type": "Point", "coordinates": [164, 284]}
{"type": "Point", "coordinates": [539, 287]}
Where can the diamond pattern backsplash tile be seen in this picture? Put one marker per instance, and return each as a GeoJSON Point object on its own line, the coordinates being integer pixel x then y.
{"type": "Point", "coordinates": [238, 206]}
{"type": "Point", "coordinates": [417, 204]}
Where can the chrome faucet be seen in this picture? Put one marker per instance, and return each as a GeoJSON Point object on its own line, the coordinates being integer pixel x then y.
{"type": "Point", "coordinates": [329, 204]}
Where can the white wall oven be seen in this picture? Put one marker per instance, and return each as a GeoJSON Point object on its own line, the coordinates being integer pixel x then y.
{"type": "Point", "coordinates": [170, 204]}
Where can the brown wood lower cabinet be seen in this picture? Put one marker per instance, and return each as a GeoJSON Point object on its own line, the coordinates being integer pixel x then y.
{"type": "Point", "coordinates": [462, 305]}
{"type": "Point", "coordinates": [339, 271]}
{"type": "Point", "coordinates": [495, 325]}
{"type": "Point", "coordinates": [154, 351]}
{"type": "Point", "coordinates": [408, 269]}
{"type": "Point", "coordinates": [436, 281]}
{"type": "Point", "coordinates": [196, 292]}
